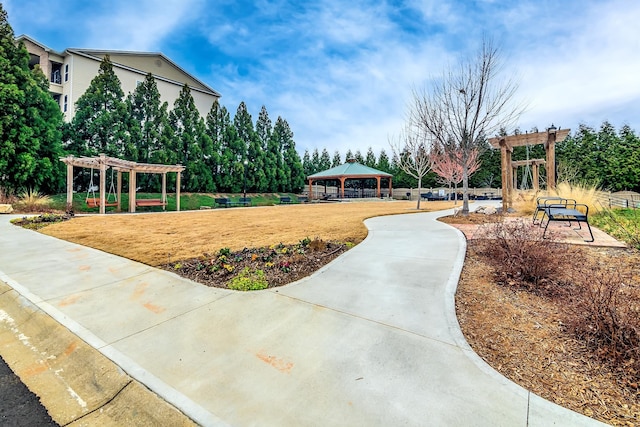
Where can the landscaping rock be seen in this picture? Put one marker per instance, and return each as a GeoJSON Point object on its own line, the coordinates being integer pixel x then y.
{"type": "Point", "coordinates": [487, 210]}
{"type": "Point", "coordinates": [5, 208]}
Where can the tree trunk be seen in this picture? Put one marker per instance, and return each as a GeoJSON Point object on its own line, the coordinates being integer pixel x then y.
{"type": "Point", "coordinates": [419, 191]}
{"type": "Point", "coordinates": [465, 191]}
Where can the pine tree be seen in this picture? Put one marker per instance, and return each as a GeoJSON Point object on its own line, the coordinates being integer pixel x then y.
{"type": "Point", "coordinates": [348, 156]}
{"type": "Point", "coordinates": [191, 144]}
{"type": "Point", "coordinates": [149, 129]}
{"type": "Point", "coordinates": [256, 179]}
{"type": "Point", "coordinates": [336, 161]}
{"type": "Point", "coordinates": [232, 152]}
{"type": "Point", "coordinates": [325, 160]}
{"type": "Point", "coordinates": [358, 157]}
{"type": "Point", "coordinates": [315, 161]}
{"type": "Point", "coordinates": [307, 166]}
{"type": "Point", "coordinates": [294, 173]}
{"type": "Point", "coordinates": [272, 152]}
{"type": "Point", "coordinates": [100, 123]}
{"type": "Point", "coordinates": [383, 162]}
{"type": "Point", "coordinates": [30, 121]}
{"type": "Point", "coordinates": [370, 160]}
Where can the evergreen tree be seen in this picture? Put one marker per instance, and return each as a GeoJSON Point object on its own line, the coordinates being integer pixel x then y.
{"type": "Point", "coordinates": [370, 160]}
{"type": "Point", "coordinates": [358, 157]}
{"type": "Point", "coordinates": [215, 124]}
{"type": "Point", "coordinates": [30, 121]}
{"type": "Point", "coordinates": [100, 123]}
{"type": "Point", "coordinates": [336, 161]}
{"type": "Point", "coordinates": [256, 179]}
{"type": "Point", "coordinates": [624, 161]}
{"type": "Point", "coordinates": [272, 152]}
{"type": "Point", "coordinates": [307, 166]}
{"type": "Point", "coordinates": [149, 129]}
{"type": "Point", "coordinates": [383, 162]}
{"type": "Point", "coordinates": [348, 156]}
{"type": "Point", "coordinates": [191, 144]}
{"type": "Point", "coordinates": [325, 160]}
{"type": "Point", "coordinates": [315, 161]}
{"type": "Point", "coordinates": [232, 152]}
{"type": "Point", "coordinates": [293, 171]}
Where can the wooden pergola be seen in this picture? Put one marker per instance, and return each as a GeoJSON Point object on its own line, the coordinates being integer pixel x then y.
{"type": "Point", "coordinates": [350, 170]}
{"type": "Point", "coordinates": [509, 167]}
{"type": "Point", "coordinates": [103, 162]}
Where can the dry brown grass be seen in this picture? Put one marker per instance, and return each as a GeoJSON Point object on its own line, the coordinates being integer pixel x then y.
{"type": "Point", "coordinates": [156, 239]}
{"type": "Point", "coordinates": [525, 201]}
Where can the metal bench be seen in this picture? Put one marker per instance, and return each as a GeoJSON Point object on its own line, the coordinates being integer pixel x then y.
{"type": "Point", "coordinates": [222, 201]}
{"type": "Point", "coordinates": [244, 201]}
{"type": "Point", "coordinates": [567, 212]}
{"type": "Point", "coordinates": [285, 200]}
{"type": "Point", "coordinates": [542, 203]}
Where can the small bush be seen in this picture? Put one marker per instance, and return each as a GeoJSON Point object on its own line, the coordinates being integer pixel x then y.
{"type": "Point", "coordinates": [623, 224]}
{"type": "Point", "coordinates": [605, 314]}
{"type": "Point", "coordinates": [40, 221]}
{"type": "Point", "coordinates": [248, 280]}
{"type": "Point", "coordinates": [522, 258]}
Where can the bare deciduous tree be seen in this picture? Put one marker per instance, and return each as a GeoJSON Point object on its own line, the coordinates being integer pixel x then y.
{"type": "Point", "coordinates": [413, 148]}
{"type": "Point", "coordinates": [468, 103]}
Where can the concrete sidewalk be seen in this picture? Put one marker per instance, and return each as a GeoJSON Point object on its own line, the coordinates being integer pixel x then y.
{"type": "Point", "coordinates": [371, 339]}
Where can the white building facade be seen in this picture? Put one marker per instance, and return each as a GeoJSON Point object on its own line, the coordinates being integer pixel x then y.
{"type": "Point", "coordinates": [70, 74]}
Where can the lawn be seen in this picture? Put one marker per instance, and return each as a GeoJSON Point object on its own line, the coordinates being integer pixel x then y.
{"type": "Point", "coordinates": [158, 238]}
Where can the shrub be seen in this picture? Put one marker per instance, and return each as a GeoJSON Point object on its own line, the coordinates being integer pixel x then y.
{"type": "Point", "coordinates": [522, 258]}
{"type": "Point", "coordinates": [623, 224]}
{"type": "Point", "coordinates": [248, 280]}
{"type": "Point", "coordinates": [605, 314]}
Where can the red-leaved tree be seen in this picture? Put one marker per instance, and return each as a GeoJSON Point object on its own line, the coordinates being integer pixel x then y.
{"type": "Point", "coordinates": [450, 166]}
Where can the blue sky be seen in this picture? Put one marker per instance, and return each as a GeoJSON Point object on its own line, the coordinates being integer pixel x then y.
{"type": "Point", "coordinates": [342, 72]}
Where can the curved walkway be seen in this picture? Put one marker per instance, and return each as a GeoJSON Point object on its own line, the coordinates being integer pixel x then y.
{"type": "Point", "coordinates": [369, 340]}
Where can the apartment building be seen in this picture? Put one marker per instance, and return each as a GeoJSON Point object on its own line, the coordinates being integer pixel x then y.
{"type": "Point", "coordinates": [70, 73]}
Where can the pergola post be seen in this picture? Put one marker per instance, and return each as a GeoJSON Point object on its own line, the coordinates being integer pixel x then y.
{"type": "Point", "coordinates": [536, 177]}
{"type": "Point", "coordinates": [119, 190]}
{"type": "Point", "coordinates": [132, 190]}
{"type": "Point", "coordinates": [164, 191]}
{"type": "Point", "coordinates": [178, 192]}
{"type": "Point", "coordinates": [103, 182]}
{"type": "Point", "coordinates": [505, 160]}
{"type": "Point", "coordinates": [69, 185]}
{"type": "Point", "coordinates": [390, 188]}
{"type": "Point", "coordinates": [550, 148]}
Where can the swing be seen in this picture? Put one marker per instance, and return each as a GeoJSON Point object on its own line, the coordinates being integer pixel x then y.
{"type": "Point", "coordinates": [94, 202]}
{"type": "Point", "coordinates": [526, 174]}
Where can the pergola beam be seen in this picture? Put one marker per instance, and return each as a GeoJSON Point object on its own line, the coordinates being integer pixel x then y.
{"type": "Point", "coordinates": [103, 162]}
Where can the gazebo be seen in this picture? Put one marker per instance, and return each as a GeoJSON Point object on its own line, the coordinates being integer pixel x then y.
{"type": "Point", "coordinates": [103, 162]}
{"type": "Point", "coordinates": [351, 170]}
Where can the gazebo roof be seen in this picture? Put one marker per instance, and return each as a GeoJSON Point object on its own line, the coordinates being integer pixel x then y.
{"type": "Point", "coordinates": [351, 169]}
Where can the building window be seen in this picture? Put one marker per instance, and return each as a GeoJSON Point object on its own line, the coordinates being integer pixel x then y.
{"type": "Point", "coordinates": [66, 73]}
{"type": "Point", "coordinates": [64, 107]}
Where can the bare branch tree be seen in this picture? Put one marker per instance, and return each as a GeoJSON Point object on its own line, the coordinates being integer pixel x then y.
{"type": "Point", "coordinates": [468, 103]}
{"type": "Point", "coordinates": [412, 148]}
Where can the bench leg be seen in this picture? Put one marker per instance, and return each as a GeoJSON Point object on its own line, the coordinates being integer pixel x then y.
{"type": "Point", "coordinates": [590, 233]}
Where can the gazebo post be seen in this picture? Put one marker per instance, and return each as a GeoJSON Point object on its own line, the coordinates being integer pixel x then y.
{"type": "Point", "coordinates": [342, 182]}
{"type": "Point", "coordinates": [390, 188]}
{"type": "Point", "coordinates": [378, 182]}
{"type": "Point", "coordinates": [310, 189]}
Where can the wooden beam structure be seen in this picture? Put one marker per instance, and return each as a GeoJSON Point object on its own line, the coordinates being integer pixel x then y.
{"type": "Point", "coordinates": [103, 162]}
{"type": "Point", "coordinates": [506, 145]}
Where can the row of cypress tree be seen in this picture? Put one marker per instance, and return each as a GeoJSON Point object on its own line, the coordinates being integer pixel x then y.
{"type": "Point", "coordinates": [218, 153]}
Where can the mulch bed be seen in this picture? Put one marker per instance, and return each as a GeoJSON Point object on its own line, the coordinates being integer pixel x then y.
{"type": "Point", "coordinates": [281, 264]}
{"type": "Point", "coordinates": [523, 336]}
